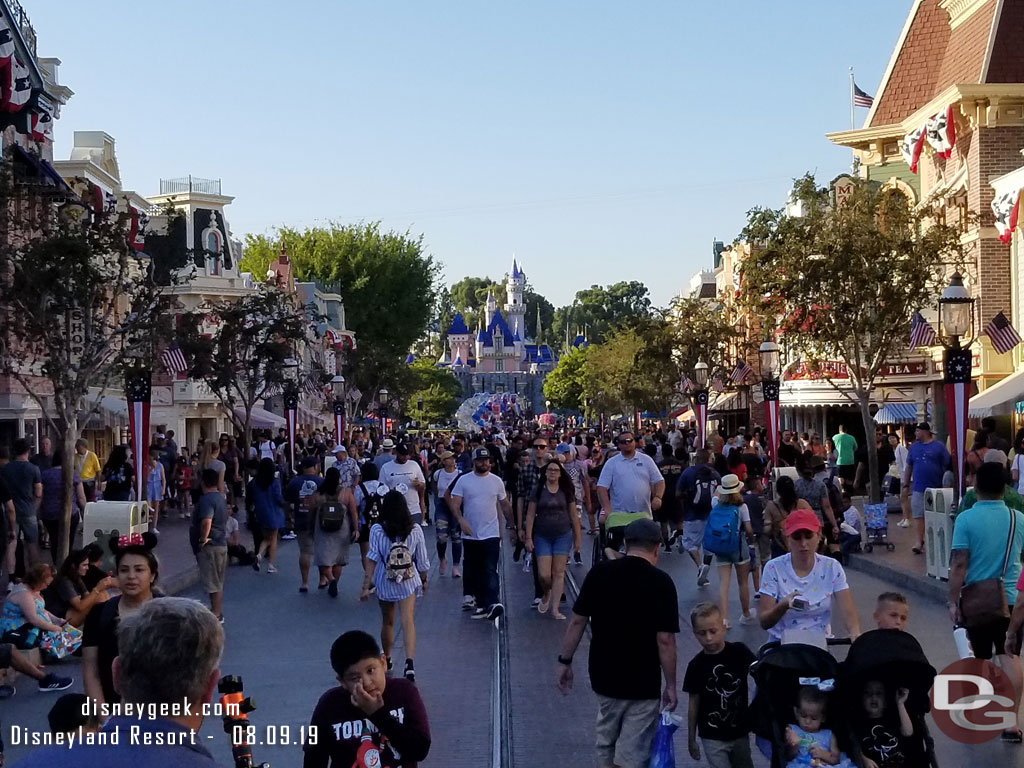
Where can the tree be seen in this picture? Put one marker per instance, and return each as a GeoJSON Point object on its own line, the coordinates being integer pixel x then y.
{"type": "Point", "coordinates": [387, 282]}
{"type": "Point", "coordinates": [239, 347]}
{"type": "Point", "coordinates": [438, 390]}
{"type": "Point", "coordinates": [80, 305]}
{"type": "Point", "coordinates": [469, 295]}
{"type": "Point", "coordinates": [600, 311]}
{"type": "Point", "coordinates": [705, 331]}
{"type": "Point", "coordinates": [566, 385]}
{"type": "Point", "coordinates": [840, 283]}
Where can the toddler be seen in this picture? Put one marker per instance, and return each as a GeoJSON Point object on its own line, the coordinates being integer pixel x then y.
{"type": "Point", "coordinates": [883, 738]}
{"type": "Point", "coordinates": [807, 743]}
{"type": "Point", "coordinates": [183, 475]}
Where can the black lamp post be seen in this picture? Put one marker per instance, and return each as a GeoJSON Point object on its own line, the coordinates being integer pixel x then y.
{"type": "Point", "coordinates": [383, 400]}
{"type": "Point", "coordinates": [771, 366]}
{"type": "Point", "coordinates": [338, 391]}
{"type": "Point", "coordinates": [699, 397]}
{"type": "Point", "coordinates": [956, 316]}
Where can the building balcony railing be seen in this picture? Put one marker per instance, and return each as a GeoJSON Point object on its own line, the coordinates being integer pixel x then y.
{"type": "Point", "coordinates": [189, 183]}
{"type": "Point", "coordinates": [22, 23]}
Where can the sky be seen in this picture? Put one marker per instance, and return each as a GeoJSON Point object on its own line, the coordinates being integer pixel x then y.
{"type": "Point", "coordinates": [596, 141]}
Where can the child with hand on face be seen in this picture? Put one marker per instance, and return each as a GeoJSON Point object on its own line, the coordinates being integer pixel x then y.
{"type": "Point", "coordinates": [883, 740]}
{"type": "Point", "coordinates": [807, 743]}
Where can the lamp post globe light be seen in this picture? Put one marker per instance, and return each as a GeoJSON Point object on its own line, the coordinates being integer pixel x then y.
{"type": "Point", "coordinates": [956, 321]}
{"type": "Point", "coordinates": [382, 398]}
{"type": "Point", "coordinates": [699, 399]}
{"type": "Point", "coordinates": [771, 366]}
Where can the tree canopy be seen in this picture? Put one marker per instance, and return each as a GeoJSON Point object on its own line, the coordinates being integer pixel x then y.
{"type": "Point", "coordinates": [600, 310]}
{"type": "Point", "coordinates": [438, 390]}
{"type": "Point", "coordinates": [388, 285]}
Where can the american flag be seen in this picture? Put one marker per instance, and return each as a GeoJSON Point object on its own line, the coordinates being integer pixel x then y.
{"type": "Point", "coordinates": [739, 373]}
{"type": "Point", "coordinates": [861, 99]}
{"type": "Point", "coordinates": [174, 360]}
{"type": "Point", "coordinates": [717, 384]}
{"type": "Point", "coordinates": [1003, 336]}
{"type": "Point", "coordinates": [311, 386]}
{"type": "Point", "coordinates": [921, 332]}
{"type": "Point", "coordinates": [684, 385]}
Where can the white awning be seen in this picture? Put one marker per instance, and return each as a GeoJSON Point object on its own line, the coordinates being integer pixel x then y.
{"type": "Point", "coordinates": [262, 418]}
{"type": "Point", "coordinates": [727, 401]}
{"type": "Point", "coordinates": [999, 398]}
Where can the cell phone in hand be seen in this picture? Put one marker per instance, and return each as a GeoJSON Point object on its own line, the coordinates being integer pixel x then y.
{"type": "Point", "coordinates": [799, 604]}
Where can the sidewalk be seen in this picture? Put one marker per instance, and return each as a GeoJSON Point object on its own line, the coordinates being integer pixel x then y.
{"type": "Point", "coordinates": [901, 568]}
{"type": "Point", "coordinates": [178, 567]}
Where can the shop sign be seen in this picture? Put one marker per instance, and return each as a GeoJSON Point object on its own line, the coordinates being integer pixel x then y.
{"type": "Point", "coordinates": [915, 368]}
{"type": "Point", "coordinates": [826, 369]}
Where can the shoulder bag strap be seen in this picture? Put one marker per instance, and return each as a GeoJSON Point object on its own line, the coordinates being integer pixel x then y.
{"type": "Point", "coordinates": [1009, 541]}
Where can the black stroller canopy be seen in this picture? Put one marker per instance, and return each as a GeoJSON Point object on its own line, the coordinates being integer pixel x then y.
{"type": "Point", "coordinates": [895, 658]}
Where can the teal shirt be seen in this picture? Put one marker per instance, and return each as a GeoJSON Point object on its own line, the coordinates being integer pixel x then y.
{"type": "Point", "coordinates": [982, 530]}
{"type": "Point", "coordinates": [846, 446]}
{"type": "Point", "coordinates": [1010, 496]}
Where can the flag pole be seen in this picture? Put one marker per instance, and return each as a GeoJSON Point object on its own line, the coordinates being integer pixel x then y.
{"type": "Point", "coordinates": [853, 124]}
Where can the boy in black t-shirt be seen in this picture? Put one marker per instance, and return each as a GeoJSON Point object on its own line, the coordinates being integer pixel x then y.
{"type": "Point", "coordinates": [716, 679]}
{"type": "Point", "coordinates": [370, 719]}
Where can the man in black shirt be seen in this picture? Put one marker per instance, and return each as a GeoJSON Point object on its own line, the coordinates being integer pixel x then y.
{"type": "Point", "coordinates": [789, 452]}
{"type": "Point", "coordinates": [633, 612]}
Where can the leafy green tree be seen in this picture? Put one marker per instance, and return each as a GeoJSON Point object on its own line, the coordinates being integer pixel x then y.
{"type": "Point", "coordinates": [238, 348]}
{"type": "Point", "coordinates": [602, 310]}
{"type": "Point", "coordinates": [566, 385]}
{"type": "Point", "coordinates": [80, 306]}
{"type": "Point", "coordinates": [388, 284]}
{"type": "Point", "coordinates": [841, 283]}
{"type": "Point", "coordinates": [436, 388]}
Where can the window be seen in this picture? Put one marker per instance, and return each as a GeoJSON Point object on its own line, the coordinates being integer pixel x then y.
{"type": "Point", "coordinates": [499, 365]}
{"type": "Point", "coordinates": [212, 264]}
{"type": "Point", "coordinates": [213, 242]}
{"type": "Point", "coordinates": [499, 343]}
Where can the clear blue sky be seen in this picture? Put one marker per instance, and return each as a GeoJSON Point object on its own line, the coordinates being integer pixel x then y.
{"type": "Point", "coordinates": [599, 141]}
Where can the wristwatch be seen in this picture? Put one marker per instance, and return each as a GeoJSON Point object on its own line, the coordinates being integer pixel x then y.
{"type": "Point", "coordinates": [567, 662]}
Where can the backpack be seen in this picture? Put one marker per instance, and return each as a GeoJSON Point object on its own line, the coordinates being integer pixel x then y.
{"type": "Point", "coordinates": [331, 514]}
{"type": "Point", "coordinates": [371, 505]}
{"type": "Point", "coordinates": [722, 532]}
{"type": "Point", "coordinates": [704, 491]}
{"type": "Point", "coordinates": [399, 565]}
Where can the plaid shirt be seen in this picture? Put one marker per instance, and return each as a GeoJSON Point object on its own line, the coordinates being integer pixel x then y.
{"type": "Point", "coordinates": [526, 484]}
{"type": "Point", "coordinates": [349, 471]}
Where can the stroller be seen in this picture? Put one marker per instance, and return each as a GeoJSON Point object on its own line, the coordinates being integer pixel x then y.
{"type": "Point", "coordinates": [778, 673]}
{"type": "Point", "coordinates": [896, 659]}
{"type": "Point", "coordinates": [876, 524]}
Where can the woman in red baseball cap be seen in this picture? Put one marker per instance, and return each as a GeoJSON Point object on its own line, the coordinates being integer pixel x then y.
{"type": "Point", "coordinates": [798, 589]}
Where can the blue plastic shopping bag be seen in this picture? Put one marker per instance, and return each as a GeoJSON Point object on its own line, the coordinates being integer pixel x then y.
{"type": "Point", "coordinates": [663, 754]}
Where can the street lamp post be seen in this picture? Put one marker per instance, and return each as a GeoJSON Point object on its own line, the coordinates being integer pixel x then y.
{"type": "Point", "coordinates": [291, 405]}
{"type": "Point", "coordinates": [419, 411]}
{"type": "Point", "coordinates": [956, 316]}
{"type": "Point", "coordinates": [768, 356]}
{"type": "Point", "coordinates": [700, 403]}
{"type": "Point", "coordinates": [338, 391]}
{"type": "Point", "coordinates": [382, 398]}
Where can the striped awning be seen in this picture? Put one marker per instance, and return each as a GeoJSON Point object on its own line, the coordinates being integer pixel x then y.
{"type": "Point", "coordinates": [897, 413]}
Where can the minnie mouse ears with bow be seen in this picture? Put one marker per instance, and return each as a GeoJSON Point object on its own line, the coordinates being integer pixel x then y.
{"type": "Point", "coordinates": [144, 541]}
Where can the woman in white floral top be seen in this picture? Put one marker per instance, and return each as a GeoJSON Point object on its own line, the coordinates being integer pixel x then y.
{"type": "Point", "coordinates": [798, 589]}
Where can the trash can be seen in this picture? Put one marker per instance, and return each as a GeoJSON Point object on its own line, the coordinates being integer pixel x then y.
{"type": "Point", "coordinates": [103, 519]}
{"type": "Point", "coordinates": [938, 531]}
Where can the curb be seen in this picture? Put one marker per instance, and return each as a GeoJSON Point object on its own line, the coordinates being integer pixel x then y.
{"type": "Point", "coordinates": [933, 589]}
{"type": "Point", "coordinates": [181, 582]}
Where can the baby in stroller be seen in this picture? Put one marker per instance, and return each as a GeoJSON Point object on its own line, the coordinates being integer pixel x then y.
{"type": "Point", "coordinates": [807, 742]}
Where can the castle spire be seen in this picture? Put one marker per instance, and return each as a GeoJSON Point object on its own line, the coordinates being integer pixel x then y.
{"type": "Point", "coordinates": [537, 339]}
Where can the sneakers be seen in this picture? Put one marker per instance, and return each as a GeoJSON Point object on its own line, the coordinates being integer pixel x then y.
{"type": "Point", "coordinates": [536, 602]}
{"type": "Point", "coordinates": [257, 563]}
{"type": "Point", "coordinates": [220, 619]}
{"type": "Point", "coordinates": [271, 568]}
{"type": "Point", "coordinates": [904, 523]}
{"type": "Point", "coordinates": [493, 612]}
{"type": "Point", "coordinates": [681, 548]}
{"type": "Point", "coordinates": [181, 516]}
{"type": "Point", "coordinates": [288, 536]}
{"type": "Point", "coordinates": [455, 572]}
{"type": "Point", "coordinates": [332, 588]}
{"type": "Point", "coordinates": [527, 562]}
{"type": "Point", "coordinates": [54, 683]}
{"type": "Point", "coordinates": [424, 524]}
{"type": "Point", "coordinates": [373, 589]}
{"type": "Point", "coordinates": [443, 566]}
{"type": "Point", "coordinates": [155, 532]}
{"type": "Point", "coordinates": [410, 672]}
{"type": "Point", "coordinates": [747, 619]}
{"type": "Point", "coordinates": [577, 558]}
{"type": "Point", "coordinates": [468, 603]}
{"type": "Point", "coordinates": [391, 664]}
{"type": "Point", "coordinates": [6, 691]}
{"type": "Point", "coordinates": [702, 575]}
{"type": "Point", "coordinates": [479, 613]}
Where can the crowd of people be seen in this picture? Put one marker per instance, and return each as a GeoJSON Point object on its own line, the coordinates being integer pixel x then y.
{"type": "Point", "coordinates": [636, 496]}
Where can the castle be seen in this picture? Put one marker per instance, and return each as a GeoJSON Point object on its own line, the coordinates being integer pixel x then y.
{"type": "Point", "coordinates": [500, 357]}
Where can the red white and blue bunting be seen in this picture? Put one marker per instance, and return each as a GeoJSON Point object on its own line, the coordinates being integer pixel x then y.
{"type": "Point", "coordinates": [1006, 207]}
{"type": "Point", "coordinates": [938, 131]}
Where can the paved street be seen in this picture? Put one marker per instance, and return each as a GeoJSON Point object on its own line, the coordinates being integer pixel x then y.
{"type": "Point", "coordinates": [278, 640]}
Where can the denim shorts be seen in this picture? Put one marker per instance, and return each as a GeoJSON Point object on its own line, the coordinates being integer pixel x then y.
{"type": "Point", "coordinates": [546, 546]}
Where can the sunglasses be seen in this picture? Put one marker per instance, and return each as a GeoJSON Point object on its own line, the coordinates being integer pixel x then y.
{"type": "Point", "coordinates": [626, 440]}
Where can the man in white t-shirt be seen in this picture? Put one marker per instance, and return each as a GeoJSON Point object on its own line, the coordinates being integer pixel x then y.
{"type": "Point", "coordinates": [406, 477]}
{"type": "Point", "coordinates": [475, 501]}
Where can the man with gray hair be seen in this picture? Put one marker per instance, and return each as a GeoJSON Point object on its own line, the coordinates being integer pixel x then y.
{"type": "Point", "coordinates": [169, 653]}
{"type": "Point", "coordinates": [633, 612]}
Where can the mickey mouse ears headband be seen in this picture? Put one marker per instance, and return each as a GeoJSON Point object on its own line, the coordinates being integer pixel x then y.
{"type": "Point", "coordinates": [145, 541]}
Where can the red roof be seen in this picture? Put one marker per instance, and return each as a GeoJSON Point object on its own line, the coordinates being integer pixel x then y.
{"type": "Point", "coordinates": [934, 57]}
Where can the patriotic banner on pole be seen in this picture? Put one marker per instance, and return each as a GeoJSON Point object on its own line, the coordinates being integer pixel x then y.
{"type": "Point", "coordinates": [921, 332]}
{"type": "Point", "coordinates": [174, 360]}
{"type": "Point", "coordinates": [700, 413]}
{"type": "Point", "coordinates": [1003, 335]}
{"type": "Point", "coordinates": [739, 373]}
{"type": "Point", "coordinates": [1006, 208]}
{"type": "Point", "coordinates": [291, 408]}
{"type": "Point", "coordinates": [770, 392]}
{"type": "Point", "coordinates": [138, 392]}
{"type": "Point", "coordinates": [339, 421]}
{"type": "Point", "coordinates": [860, 98]}
{"type": "Point", "coordinates": [958, 395]}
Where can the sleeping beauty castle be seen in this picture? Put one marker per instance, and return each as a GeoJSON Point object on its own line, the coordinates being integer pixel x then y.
{"type": "Point", "coordinates": [498, 357]}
